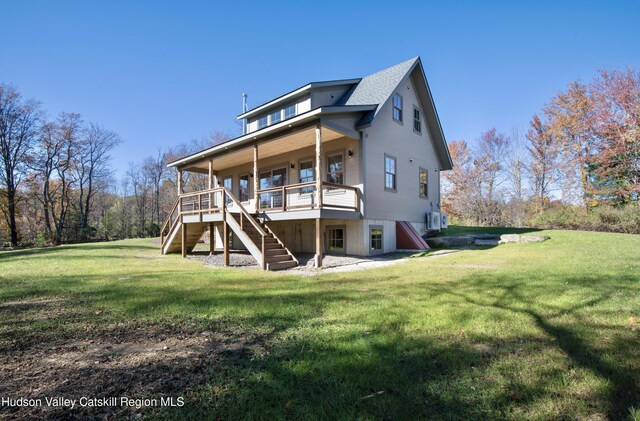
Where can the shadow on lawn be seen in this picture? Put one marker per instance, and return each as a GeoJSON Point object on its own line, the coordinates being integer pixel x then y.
{"type": "Point", "coordinates": [293, 361]}
{"type": "Point", "coordinates": [84, 248]}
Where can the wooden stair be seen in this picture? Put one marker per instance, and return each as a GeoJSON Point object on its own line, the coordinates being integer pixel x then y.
{"type": "Point", "coordinates": [247, 228]}
{"type": "Point", "coordinates": [194, 233]}
{"type": "Point", "coordinates": [277, 256]}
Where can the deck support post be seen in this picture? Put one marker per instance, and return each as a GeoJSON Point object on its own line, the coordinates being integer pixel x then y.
{"type": "Point", "coordinates": [225, 239]}
{"type": "Point", "coordinates": [318, 166]}
{"type": "Point", "coordinates": [225, 230]}
{"type": "Point", "coordinates": [184, 239]}
{"type": "Point", "coordinates": [319, 248]}
{"type": "Point", "coordinates": [212, 239]}
{"type": "Point", "coordinates": [255, 177]}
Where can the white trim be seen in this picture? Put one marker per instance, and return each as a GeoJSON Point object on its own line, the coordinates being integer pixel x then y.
{"type": "Point", "coordinates": [309, 115]}
{"type": "Point", "coordinates": [295, 93]}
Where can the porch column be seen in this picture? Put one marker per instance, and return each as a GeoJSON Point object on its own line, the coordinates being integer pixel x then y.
{"type": "Point", "coordinates": [179, 183]}
{"type": "Point", "coordinates": [255, 177]}
{"type": "Point", "coordinates": [225, 233]}
{"type": "Point", "coordinates": [210, 174]}
{"type": "Point", "coordinates": [184, 240]}
{"type": "Point", "coordinates": [212, 239]}
{"type": "Point", "coordinates": [318, 167]}
{"type": "Point", "coordinates": [225, 239]}
{"type": "Point", "coordinates": [319, 245]}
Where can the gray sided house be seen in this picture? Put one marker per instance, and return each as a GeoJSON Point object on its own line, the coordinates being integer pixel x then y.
{"type": "Point", "coordinates": [344, 166]}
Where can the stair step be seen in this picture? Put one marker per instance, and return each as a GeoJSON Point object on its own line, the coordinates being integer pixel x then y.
{"type": "Point", "coordinates": [279, 258]}
{"type": "Point", "coordinates": [281, 265]}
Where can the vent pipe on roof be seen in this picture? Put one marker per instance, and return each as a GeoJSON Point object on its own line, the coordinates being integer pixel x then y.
{"type": "Point", "coordinates": [245, 108]}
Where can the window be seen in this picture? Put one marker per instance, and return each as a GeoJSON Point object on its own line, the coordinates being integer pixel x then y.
{"type": "Point", "coordinates": [417, 122]}
{"type": "Point", "coordinates": [306, 175]}
{"type": "Point", "coordinates": [389, 173]}
{"type": "Point", "coordinates": [268, 180]}
{"type": "Point", "coordinates": [397, 107]}
{"type": "Point", "coordinates": [263, 122]}
{"type": "Point", "coordinates": [227, 183]}
{"type": "Point", "coordinates": [336, 239]}
{"type": "Point", "coordinates": [375, 239]}
{"type": "Point", "coordinates": [244, 188]}
{"type": "Point", "coordinates": [275, 117]}
{"type": "Point", "coordinates": [289, 111]}
{"type": "Point", "coordinates": [335, 168]}
{"type": "Point", "coordinates": [423, 183]}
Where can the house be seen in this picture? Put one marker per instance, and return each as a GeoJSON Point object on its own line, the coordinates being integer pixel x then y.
{"type": "Point", "coordinates": [342, 166]}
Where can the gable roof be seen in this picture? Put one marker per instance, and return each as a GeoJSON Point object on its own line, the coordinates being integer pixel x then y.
{"type": "Point", "coordinates": [377, 88]}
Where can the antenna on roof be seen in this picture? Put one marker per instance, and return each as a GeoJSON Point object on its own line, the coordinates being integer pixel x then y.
{"type": "Point", "coordinates": [245, 108]}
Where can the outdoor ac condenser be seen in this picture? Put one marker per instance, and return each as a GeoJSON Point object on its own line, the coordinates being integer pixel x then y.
{"type": "Point", "coordinates": [444, 223]}
{"type": "Point", "coordinates": [433, 220]}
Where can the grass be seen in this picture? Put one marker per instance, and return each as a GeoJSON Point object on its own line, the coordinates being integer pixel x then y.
{"type": "Point", "coordinates": [520, 331]}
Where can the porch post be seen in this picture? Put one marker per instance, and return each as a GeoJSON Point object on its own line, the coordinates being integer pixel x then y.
{"type": "Point", "coordinates": [255, 177]}
{"type": "Point", "coordinates": [184, 240]}
{"type": "Point", "coordinates": [318, 167]}
{"type": "Point", "coordinates": [180, 187]}
{"type": "Point", "coordinates": [319, 246]}
{"type": "Point", "coordinates": [212, 239]}
{"type": "Point", "coordinates": [210, 174]}
{"type": "Point", "coordinates": [225, 239]}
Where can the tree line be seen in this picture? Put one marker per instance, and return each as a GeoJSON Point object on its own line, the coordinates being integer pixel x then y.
{"type": "Point", "coordinates": [577, 166]}
{"type": "Point", "coordinates": [57, 184]}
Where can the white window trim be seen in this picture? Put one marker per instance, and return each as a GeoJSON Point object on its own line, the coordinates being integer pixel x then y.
{"type": "Point", "coordinates": [384, 181]}
{"type": "Point", "coordinates": [393, 108]}
{"type": "Point", "coordinates": [420, 120]}
{"type": "Point", "coordinates": [372, 251]}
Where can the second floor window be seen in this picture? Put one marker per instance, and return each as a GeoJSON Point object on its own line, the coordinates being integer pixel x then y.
{"type": "Point", "coordinates": [417, 121]}
{"type": "Point", "coordinates": [275, 117]}
{"type": "Point", "coordinates": [263, 122]}
{"type": "Point", "coordinates": [335, 168]}
{"type": "Point", "coordinates": [397, 107]}
{"type": "Point", "coordinates": [244, 188]}
{"type": "Point", "coordinates": [423, 183]}
{"type": "Point", "coordinates": [389, 173]}
{"type": "Point", "coordinates": [290, 111]}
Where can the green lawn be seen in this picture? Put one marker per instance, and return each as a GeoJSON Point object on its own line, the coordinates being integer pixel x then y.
{"type": "Point", "coordinates": [518, 331]}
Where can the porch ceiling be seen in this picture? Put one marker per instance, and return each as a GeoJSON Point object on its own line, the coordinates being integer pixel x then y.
{"type": "Point", "coordinates": [277, 146]}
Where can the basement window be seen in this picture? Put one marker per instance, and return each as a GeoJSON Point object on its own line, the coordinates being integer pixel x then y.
{"type": "Point", "coordinates": [375, 239]}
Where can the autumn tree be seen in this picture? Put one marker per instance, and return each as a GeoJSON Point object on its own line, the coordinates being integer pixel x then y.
{"type": "Point", "coordinates": [19, 121]}
{"type": "Point", "coordinates": [616, 98]}
{"type": "Point", "coordinates": [544, 151]}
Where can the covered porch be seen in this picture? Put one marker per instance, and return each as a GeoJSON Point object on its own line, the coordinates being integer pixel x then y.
{"type": "Point", "coordinates": [308, 172]}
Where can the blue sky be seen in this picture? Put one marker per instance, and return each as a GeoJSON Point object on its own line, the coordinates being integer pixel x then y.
{"type": "Point", "coordinates": [160, 73]}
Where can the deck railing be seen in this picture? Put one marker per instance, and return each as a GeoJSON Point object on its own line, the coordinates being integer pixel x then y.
{"type": "Point", "coordinates": [303, 196]}
{"type": "Point", "coordinates": [278, 199]}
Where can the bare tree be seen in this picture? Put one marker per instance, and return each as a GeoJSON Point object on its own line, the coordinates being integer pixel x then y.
{"type": "Point", "coordinates": [140, 185]}
{"type": "Point", "coordinates": [91, 165]}
{"type": "Point", "coordinates": [18, 132]}
{"type": "Point", "coordinates": [154, 169]}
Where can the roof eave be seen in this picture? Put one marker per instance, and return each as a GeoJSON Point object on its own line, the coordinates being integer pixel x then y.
{"type": "Point", "coordinates": [295, 93]}
{"type": "Point", "coordinates": [298, 120]}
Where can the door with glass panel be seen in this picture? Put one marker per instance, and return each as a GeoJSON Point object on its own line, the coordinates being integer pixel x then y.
{"type": "Point", "coordinates": [268, 180]}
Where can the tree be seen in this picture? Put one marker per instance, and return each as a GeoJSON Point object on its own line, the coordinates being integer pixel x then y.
{"type": "Point", "coordinates": [544, 151]}
{"type": "Point", "coordinates": [571, 117]}
{"type": "Point", "coordinates": [91, 165]}
{"type": "Point", "coordinates": [616, 97]}
{"type": "Point", "coordinates": [140, 184]}
{"type": "Point", "coordinates": [154, 169]}
{"type": "Point", "coordinates": [18, 131]}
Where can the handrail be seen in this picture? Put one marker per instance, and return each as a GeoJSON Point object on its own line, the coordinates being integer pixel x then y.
{"type": "Point", "coordinates": [288, 187]}
{"type": "Point", "coordinates": [169, 218]}
{"type": "Point", "coordinates": [244, 212]}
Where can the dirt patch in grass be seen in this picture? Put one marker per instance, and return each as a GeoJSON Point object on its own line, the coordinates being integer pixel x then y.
{"type": "Point", "coordinates": [107, 359]}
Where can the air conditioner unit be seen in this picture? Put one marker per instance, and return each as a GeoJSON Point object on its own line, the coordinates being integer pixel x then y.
{"type": "Point", "coordinates": [433, 220]}
{"type": "Point", "coordinates": [444, 223]}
